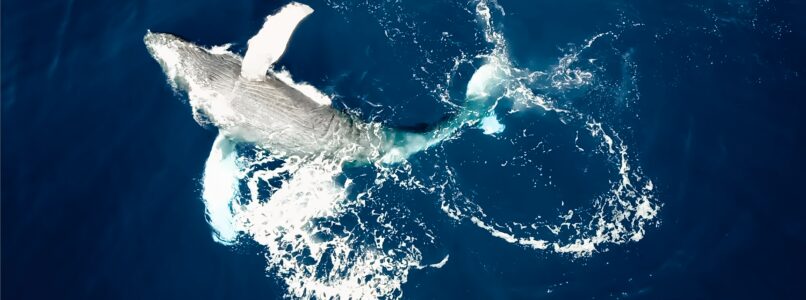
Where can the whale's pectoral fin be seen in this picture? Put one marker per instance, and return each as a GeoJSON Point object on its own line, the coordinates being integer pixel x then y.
{"type": "Point", "coordinates": [269, 43]}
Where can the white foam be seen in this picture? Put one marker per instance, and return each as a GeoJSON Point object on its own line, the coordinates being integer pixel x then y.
{"type": "Point", "coordinates": [221, 49]}
{"type": "Point", "coordinates": [491, 126]}
{"type": "Point", "coordinates": [441, 263]}
{"type": "Point", "coordinates": [294, 221]}
{"type": "Point", "coordinates": [291, 220]}
{"type": "Point", "coordinates": [305, 88]}
{"type": "Point", "coordinates": [620, 214]}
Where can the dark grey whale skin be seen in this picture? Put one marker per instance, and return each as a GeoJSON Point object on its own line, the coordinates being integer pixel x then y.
{"type": "Point", "coordinates": [270, 113]}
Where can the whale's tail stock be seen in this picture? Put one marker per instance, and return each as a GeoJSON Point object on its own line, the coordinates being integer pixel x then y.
{"type": "Point", "coordinates": [479, 105]}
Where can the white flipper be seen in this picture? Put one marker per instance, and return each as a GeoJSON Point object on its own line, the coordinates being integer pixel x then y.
{"type": "Point", "coordinates": [269, 43]}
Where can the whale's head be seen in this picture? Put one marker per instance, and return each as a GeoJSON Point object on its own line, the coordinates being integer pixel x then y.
{"type": "Point", "coordinates": [189, 66]}
{"type": "Point", "coordinates": [173, 54]}
{"type": "Point", "coordinates": [207, 76]}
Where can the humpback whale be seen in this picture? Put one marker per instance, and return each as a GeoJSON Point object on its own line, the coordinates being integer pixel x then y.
{"type": "Point", "coordinates": [249, 102]}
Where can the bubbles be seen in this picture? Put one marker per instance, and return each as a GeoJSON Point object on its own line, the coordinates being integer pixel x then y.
{"type": "Point", "coordinates": [321, 239]}
{"type": "Point", "coordinates": [617, 215]}
{"type": "Point", "coordinates": [332, 229]}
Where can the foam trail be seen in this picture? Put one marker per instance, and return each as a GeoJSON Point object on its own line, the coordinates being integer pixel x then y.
{"type": "Point", "coordinates": [315, 260]}
{"type": "Point", "coordinates": [298, 221]}
{"type": "Point", "coordinates": [617, 216]}
{"type": "Point", "coordinates": [221, 176]}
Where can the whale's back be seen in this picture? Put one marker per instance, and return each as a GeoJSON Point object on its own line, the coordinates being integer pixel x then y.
{"type": "Point", "coordinates": [276, 115]}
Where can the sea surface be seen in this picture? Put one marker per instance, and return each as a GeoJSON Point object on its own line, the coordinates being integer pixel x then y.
{"type": "Point", "coordinates": [636, 150]}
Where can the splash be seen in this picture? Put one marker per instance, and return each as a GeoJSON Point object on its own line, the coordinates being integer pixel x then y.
{"type": "Point", "coordinates": [616, 216]}
{"type": "Point", "coordinates": [329, 233]}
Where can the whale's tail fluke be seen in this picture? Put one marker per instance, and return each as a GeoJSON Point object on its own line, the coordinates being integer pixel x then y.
{"type": "Point", "coordinates": [478, 108]}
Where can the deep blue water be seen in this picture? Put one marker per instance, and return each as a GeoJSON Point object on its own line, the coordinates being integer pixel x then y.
{"type": "Point", "coordinates": [101, 162]}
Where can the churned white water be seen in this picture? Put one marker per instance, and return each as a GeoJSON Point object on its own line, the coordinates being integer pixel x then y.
{"type": "Point", "coordinates": [326, 237]}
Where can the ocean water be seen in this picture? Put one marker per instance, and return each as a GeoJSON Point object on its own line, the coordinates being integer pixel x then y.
{"type": "Point", "coordinates": [634, 150]}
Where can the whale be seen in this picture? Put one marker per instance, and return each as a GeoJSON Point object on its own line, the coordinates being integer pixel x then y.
{"type": "Point", "coordinates": [250, 102]}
